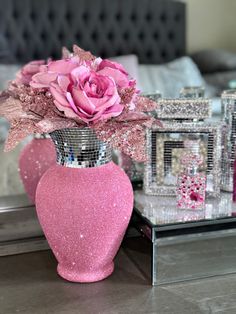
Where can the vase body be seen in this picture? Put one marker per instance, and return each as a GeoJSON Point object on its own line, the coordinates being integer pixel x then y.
{"type": "Point", "coordinates": [84, 204]}
{"type": "Point", "coordinates": [34, 160]}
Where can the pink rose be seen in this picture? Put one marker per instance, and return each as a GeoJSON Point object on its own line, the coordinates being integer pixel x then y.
{"type": "Point", "coordinates": [24, 76]}
{"type": "Point", "coordinates": [116, 71]}
{"type": "Point", "coordinates": [50, 72]}
{"type": "Point", "coordinates": [87, 95]}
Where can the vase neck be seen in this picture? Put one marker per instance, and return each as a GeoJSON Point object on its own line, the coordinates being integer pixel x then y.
{"type": "Point", "coordinates": [80, 148]}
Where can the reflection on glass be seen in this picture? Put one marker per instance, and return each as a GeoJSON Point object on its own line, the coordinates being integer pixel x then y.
{"type": "Point", "coordinates": [161, 210]}
{"type": "Point", "coordinates": [192, 92]}
{"type": "Point", "coordinates": [154, 95]}
{"type": "Point", "coordinates": [170, 147]}
{"type": "Point", "coordinates": [10, 182]}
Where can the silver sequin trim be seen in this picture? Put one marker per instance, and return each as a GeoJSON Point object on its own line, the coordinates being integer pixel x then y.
{"type": "Point", "coordinates": [80, 148]}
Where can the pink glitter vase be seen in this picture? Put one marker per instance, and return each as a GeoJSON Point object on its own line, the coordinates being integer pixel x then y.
{"type": "Point", "coordinates": [34, 160]}
{"type": "Point", "coordinates": [84, 204]}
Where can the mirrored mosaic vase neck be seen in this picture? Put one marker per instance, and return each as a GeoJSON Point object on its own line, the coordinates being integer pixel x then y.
{"type": "Point", "coordinates": [80, 148]}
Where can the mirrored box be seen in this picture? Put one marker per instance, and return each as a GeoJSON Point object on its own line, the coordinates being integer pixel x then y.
{"type": "Point", "coordinates": [228, 102]}
{"type": "Point", "coordinates": [165, 146]}
{"type": "Point", "coordinates": [184, 109]}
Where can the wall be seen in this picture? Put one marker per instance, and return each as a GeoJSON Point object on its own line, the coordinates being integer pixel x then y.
{"type": "Point", "coordinates": [211, 24]}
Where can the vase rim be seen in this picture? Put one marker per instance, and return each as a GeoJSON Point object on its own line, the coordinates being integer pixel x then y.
{"type": "Point", "coordinates": [80, 148]}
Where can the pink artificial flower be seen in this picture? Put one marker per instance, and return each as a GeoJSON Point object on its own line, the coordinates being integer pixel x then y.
{"type": "Point", "coordinates": [24, 76]}
{"type": "Point", "coordinates": [49, 73]}
{"type": "Point", "coordinates": [116, 71]}
{"type": "Point", "coordinates": [87, 95]}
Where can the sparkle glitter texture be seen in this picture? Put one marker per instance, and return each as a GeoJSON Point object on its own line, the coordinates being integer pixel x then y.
{"type": "Point", "coordinates": [184, 109]}
{"type": "Point", "coordinates": [34, 160]}
{"type": "Point", "coordinates": [192, 92]}
{"type": "Point", "coordinates": [84, 213]}
{"type": "Point", "coordinates": [191, 185]}
{"type": "Point", "coordinates": [166, 143]}
{"type": "Point", "coordinates": [228, 100]}
{"type": "Point", "coordinates": [90, 153]}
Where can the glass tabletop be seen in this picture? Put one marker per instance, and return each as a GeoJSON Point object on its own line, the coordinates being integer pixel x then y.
{"type": "Point", "coordinates": [161, 211]}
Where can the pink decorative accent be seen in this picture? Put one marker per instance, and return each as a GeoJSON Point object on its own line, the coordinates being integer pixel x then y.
{"type": "Point", "coordinates": [87, 95]}
{"type": "Point", "coordinates": [24, 76]}
{"type": "Point", "coordinates": [191, 160]}
{"type": "Point", "coordinates": [77, 91]}
{"type": "Point", "coordinates": [35, 159]}
{"type": "Point", "coordinates": [84, 214]}
{"type": "Point", "coordinates": [194, 196]}
{"type": "Point", "coordinates": [191, 185]}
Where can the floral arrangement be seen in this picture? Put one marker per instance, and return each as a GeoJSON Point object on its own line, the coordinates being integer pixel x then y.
{"type": "Point", "coordinates": [76, 91]}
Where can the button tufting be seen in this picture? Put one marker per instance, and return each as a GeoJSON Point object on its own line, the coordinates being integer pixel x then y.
{"type": "Point", "coordinates": [94, 35]}
{"type": "Point", "coordinates": [78, 36]}
{"type": "Point", "coordinates": [106, 31]}
{"type": "Point", "coordinates": [102, 16]}
{"type": "Point", "coordinates": [141, 35]}
{"type": "Point", "coordinates": [118, 17]}
{"type": "Point", "coordinates": [32, 15]}
{"type": "Point", "coordinates": [156, 35]}
{"type": "Point", "coordinates": [51, 15]}
{"type": "Point", "coordinates": [178, 53]}
{"type": "Point", "coordinates": [133, 17]}
{"type": "Point", "coordinates": [126, 35]}
{"type": "Point", "coordinates": [148, 17]}
{"type": "Point", "coordinates": [163, 54]}
{"type": "Point", "coordinates": [18, 54]}
{"type": "Point", "coordinates": [68, 16]}
{"type": "Point", "coordinates": [25, 35]}
{"type": "Point", "coordinates": [15, 14]}
{"type": "Point", "coordinates": [61, 36]}
{"type": "Point", "coordinates": [149, 53]}
{"type": "Point", "coordinates": [163, 17]}
{"type": "Point", "coordinates": [36, 55]}
{"type": "Point", "coordinates": [103, 53]}
{"type": "Point", "coordinates": [85, 16]}
{"type": "Point", "coordinates": [171, 35]}
{"type": "Point", "coordinates": [110, 35]}
{"type": "Point", "coordinates": [7, 34]}
{"type": "Point", "coordinates": [43, 35]}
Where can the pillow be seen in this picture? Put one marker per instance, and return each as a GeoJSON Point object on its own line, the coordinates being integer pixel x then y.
{"type": "Point", "coordinates": [220, 79]}
{"type": "Point", "coordinates": [214, 60]}
{"type": "Point", "coordinates": [130, 63]}
{"type": "Point", "coordinates": [169, 78]}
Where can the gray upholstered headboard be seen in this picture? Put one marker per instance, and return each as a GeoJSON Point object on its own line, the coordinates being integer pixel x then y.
{"type": "Point", "coordinates": [35, 29]}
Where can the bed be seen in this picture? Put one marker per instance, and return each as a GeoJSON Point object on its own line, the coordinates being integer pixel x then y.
{"type": "Point", "coordinates": [154, 30]}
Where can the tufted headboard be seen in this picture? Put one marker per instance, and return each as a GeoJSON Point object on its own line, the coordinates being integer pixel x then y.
{"type": "Point", "coordinates": [35, 29]}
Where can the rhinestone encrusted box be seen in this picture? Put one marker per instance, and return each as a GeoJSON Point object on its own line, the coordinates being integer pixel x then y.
{"type": "Point", "coordinates": [184, 109]}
